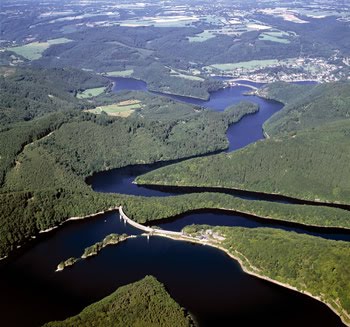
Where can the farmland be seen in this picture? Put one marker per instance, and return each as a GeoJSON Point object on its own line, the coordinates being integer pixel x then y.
{"type": "Point", "coordinates": [121, 109]}
{"type": "Point", "coordinates": [34, 50]}
{"type": "Point", "coordinates": [90, 93]}
{"type": "Point", "coordinates": [120, 73]}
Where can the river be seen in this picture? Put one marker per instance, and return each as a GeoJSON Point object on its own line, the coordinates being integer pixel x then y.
{"type": "Point", "coordinates": [202, 279]}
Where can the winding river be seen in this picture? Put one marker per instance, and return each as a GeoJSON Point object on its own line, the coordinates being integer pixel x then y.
{"type": "Point", "coordinates": [202, 279]}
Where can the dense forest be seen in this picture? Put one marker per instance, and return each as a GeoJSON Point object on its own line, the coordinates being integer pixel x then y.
{"type": "Point", "coordinates": [51, 142]}
{"type": "Point", "coordinates": [160, 79]}
{"type": "Point", "coordinates": [92, 250]}
{"type": "Point", "coordinates": [306, 106]}
{"type": "Point", "coordinates": [47, 177]}
{"type": "Point", "coordinates": [92, 144]}
{"type": "Point", "coordinates": [24, 214]}
{"type": "Point", "coordinates": [13, 138]}
{"type": "Point", "coordinates": [310, 264]}
{"type": "Point", "coordinates": [320, 38]}
{"type": "Point", "coordinates": [98, 246]}
{"type": "Point", "coordinates": [143, 303]}
{"type": "Point", "coordinates": [106, 49]}
{"type": "Point", "coordinates": [310, 165]}
{"type": "Point", "coordinates": [27, 93]}
{"type": "Point", "coordinates": [146, 210]}
{"type": "Point", "coordinates": [46, 158]}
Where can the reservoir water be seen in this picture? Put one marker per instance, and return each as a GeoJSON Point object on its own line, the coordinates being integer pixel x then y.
{"type": "Point", "coordinates": [248, 130]}
{"type": "Point", "coordinates": [208, 283]}
{"type": "Point", "coordinates": [202, 279]}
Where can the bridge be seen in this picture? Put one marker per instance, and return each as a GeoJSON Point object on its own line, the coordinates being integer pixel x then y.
{"type": "Point", "coordinates": [152, 231]}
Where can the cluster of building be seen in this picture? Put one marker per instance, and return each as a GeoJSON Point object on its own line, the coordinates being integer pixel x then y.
{"type": "Point", "coordinates": [301, 69]}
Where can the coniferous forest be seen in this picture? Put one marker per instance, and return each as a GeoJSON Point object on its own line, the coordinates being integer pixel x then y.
{"type": "Point", "coordinates": [92, 90]}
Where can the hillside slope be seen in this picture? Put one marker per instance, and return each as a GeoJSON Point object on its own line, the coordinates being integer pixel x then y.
{"type": "Point", "coordinates": [311, 165]}
{"type": "Point", "coordinates": [306, 106]}
{"type": "Point", "coordinates": [143, 304]}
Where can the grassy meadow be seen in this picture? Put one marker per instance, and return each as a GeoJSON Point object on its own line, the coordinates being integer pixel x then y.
{"type": "Point", "coordinates": [34, 50]}
{"type": "Point", "coordinates": [90, 93]}
{"type": "Point", "coordinates": [120, 73]}
{"type": "Point", "coordinates": [121, 109]}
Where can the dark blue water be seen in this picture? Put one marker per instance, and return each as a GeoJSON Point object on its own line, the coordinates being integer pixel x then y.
{"type": "Point", "coordinates": [222, 218]}
{"type": "Point", "coordinates": [208, 283]}
{"type": "Point", "coordinates": [128, 84]}
{"type": "Point", "coordinates": [202, 279]}
{"type": "Point", "coordinates": [246, 131]}
{"type": "Point", "coordinates": [121, 181]}
{"type": "Point", "coordinates": [219, 100]}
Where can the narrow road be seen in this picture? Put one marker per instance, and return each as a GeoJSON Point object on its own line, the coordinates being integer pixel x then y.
{"type": "Point", "coordinates": [147, 229]}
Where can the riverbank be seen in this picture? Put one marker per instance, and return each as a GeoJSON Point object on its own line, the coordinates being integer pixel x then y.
{"type": "Point", "coordinates": [48, 230]}
{"type": "Point", "coordinates": [251, 270]}
{"type": "Point", "coordinates": [79, 218]}
{"type": "Point", "coordinates": [164, 93]}
{"type": "Point", "coordinates": [268, 81]}
{"type": "Point", "coordinates": [302, 226]}
{"type": "Point", "coordinates": [93, 250]}
{"type": "Point", "coordinates": [157, 91]}
{"type": "Point", "coordinates": [225, 189]}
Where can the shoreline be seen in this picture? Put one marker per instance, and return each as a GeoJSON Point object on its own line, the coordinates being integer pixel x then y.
{"type": "Point", "coordinates": [182, 237]}
{"type": "Point", "coordinates": [287, 221]}
{"type": "Point", "coordinates": [57, 226]}
{"type": "Point", "coordinates": [48, 230]}
{"type": "Point", "coordinates": [93, 254]}
{"type": "Point", "coordinates": [252, 215]}
{"type": "Point", "coordinates": [158, 92]}
{"type": "Point", "coordinates": [316, 202]}
{"type": "Point", "coordinates": [266, 81]}
{"type": "Point", "coordinates": [181, 95]}
{"type": "Point", "coordinates": [79, 218]}
{"type": "Point", "coordinates": [252, 273]}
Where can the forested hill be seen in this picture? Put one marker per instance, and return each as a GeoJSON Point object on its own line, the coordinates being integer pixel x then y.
{"type": "Point", "coordinates": [307, 263]}
{"type": "Point", "coordinates": [310, 164]}
{"type": "Point", "coordinates": [27, 93]}
{"type": "Point", "coordinates": [313, 165]}
{"type": "Point", "coordinates": [143, 303]}
{"type": "Point", "coordinates": [51, 145]}
{"type": "Point", "coordinates": [306, 106]}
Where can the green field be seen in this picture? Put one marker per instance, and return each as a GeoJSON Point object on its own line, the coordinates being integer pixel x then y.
{"type": "Point", "coordinates": [34, 50]}
{"type": "Point", "coordinates": [47, 177]}
{"type": "Point", "coordinates": [213, 19]}
{"type": "Point", "coordinates": [120, 73]}
{"type": "Point", "coordinates": [66, 29]}
{"type": "Point", "coordinates": [177, 73]}
{"type": "Point", "coordinates": [122, 109]}
{"type": "Point", "coordinates": [278, 37]}
{"type": "Point", "coordinates": [89, 93]}
{"type": "Point", "coordinates": [165, 21]}
{"type": "Point", "coordinates": [201, 37]}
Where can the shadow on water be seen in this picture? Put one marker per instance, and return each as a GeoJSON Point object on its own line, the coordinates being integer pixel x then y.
{"type": "Point", "coordinates": [202, 279]}
{"type": "Point", "coordinates": [217, 217]}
